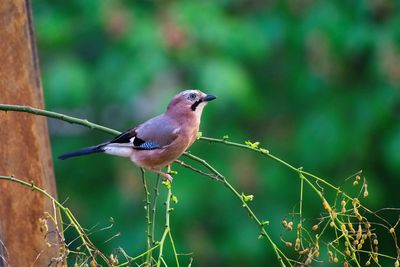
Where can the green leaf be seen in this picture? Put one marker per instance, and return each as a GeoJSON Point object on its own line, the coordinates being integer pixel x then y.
{"type": "Point", "coordinates": [174, 199]}
{"type": "Point", "coordinates": [247, 198]}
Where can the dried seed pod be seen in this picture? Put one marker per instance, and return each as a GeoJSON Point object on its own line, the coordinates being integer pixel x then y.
{"type": "Point", "coordinates": [43, 227]}
{"type": "Point", "coordinates": [284, 223]}
{"type": "Point", "coordinates": [330, 255]}
{"type": "Point", "coordinates": [288, 244]}
{"type": "Point", "coordinates": [289, 226]}
{"type": "Point", "coordinates": [297, 244]}
{"type": "Point", "coordinates": [347, 251]}
{"type": "Point", "coordinates": [326, 206]}
{"type": "Point", "coordinates": [352, 230]}
{"type": "Point", "coordinates": [304, 251]}
{"type": "Point", "coordinates": [335, 259]}
{"type": "Point", "coordinates": [333, 214]}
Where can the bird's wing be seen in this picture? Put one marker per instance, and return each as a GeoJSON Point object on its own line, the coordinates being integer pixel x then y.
{"type": "Point", "coordinates": [153, 134]}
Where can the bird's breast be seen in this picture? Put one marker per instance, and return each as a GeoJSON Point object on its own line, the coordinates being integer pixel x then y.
{"type": "Point", "coordinates": [161, 157]}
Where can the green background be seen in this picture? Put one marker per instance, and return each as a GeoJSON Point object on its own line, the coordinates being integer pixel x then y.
{"type": "Point", "coordinates": [316, 82]}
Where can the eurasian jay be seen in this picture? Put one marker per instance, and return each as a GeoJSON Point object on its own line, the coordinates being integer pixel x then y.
{"type": "Point", "coordinates": [159, 141]}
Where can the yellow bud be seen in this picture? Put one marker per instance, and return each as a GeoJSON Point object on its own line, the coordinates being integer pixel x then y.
{"type": "Point", "coordinates": [315, 227]}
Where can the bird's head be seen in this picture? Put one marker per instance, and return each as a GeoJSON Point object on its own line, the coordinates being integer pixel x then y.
{"type": "Point", "coordinates": [189, 102]}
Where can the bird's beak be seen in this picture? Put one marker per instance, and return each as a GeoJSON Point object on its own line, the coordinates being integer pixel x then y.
{"type": "Point", "coordinates": [208, 98]}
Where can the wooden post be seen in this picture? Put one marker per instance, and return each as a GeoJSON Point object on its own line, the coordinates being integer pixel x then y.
{"type": "Point", "coordinates": [24, 144]}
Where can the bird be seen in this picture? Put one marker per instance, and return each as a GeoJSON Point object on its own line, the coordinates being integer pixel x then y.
{"type": "Point", "coordinates": [159, 141]}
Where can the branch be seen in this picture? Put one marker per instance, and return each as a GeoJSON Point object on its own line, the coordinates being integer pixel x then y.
{"type": "Point", "coordinates": [58, 116]}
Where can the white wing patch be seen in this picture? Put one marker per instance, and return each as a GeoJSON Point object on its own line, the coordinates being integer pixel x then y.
{"type": "Point", "coordinates": [121, 150]}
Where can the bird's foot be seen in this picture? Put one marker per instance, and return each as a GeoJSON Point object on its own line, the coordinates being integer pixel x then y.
{"type": "Point", "coordinates": [165, 176]}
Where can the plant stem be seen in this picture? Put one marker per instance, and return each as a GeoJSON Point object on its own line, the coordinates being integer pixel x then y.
{"type": "Point", "coordinates": [154, 206]}
{"type": "Point", "coordinates": [146, 200]}
{"type": "Point", "coordinates": [167, 226]}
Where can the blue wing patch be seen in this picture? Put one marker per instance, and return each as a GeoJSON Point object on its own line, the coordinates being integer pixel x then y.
{"type": "Point", "coordinates": [147, 146]}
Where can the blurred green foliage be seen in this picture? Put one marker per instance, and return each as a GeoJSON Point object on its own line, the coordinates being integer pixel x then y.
{"type": "Point", "coordinates": [316, 82]}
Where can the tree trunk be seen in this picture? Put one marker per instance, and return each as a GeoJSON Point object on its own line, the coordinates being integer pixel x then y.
{"type": "Point", "coordinates": [24, 145]}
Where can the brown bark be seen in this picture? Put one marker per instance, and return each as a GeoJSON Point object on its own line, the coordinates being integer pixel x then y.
{"type": "Point", "coordinates": [24, 143]}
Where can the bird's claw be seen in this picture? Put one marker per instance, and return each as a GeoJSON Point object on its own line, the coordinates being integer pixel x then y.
{"type": "Point", "coordinates": [167, 177]}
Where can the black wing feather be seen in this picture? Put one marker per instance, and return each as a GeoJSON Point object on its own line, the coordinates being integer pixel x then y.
{"type": "Point", "coordinates": [140, 144]}
{"type": "Point", "coordinates": [125, 137]}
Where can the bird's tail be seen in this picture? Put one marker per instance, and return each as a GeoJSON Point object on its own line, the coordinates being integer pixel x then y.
{"type": "Point", "coordinates": [84, 151]}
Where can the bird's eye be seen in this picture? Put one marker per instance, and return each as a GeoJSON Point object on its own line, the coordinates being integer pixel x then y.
{"type": "Point", "coordinates": [192, 96]}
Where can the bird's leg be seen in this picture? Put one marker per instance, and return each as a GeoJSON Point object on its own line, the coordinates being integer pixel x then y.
{"type": "Point", "coordinates": [165, 176]}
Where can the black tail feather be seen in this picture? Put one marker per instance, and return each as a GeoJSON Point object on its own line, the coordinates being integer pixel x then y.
{"type": "Point", "coordinates": [83, 151]}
